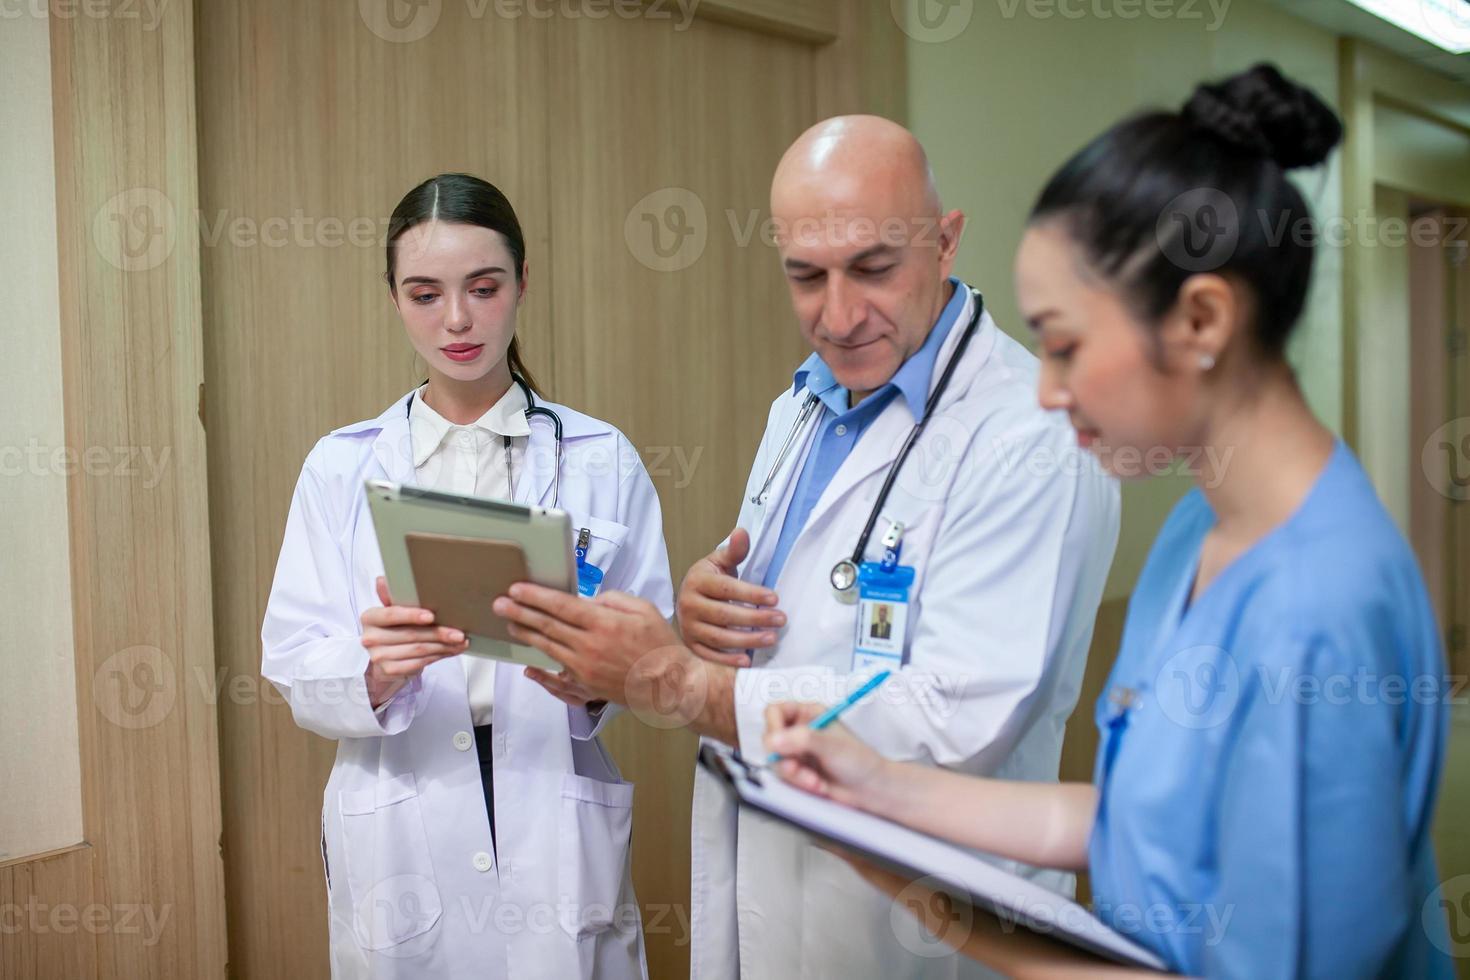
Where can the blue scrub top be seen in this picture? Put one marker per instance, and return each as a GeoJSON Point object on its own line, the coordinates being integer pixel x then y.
{"type": "Point", "coordinates": [1270, 755]}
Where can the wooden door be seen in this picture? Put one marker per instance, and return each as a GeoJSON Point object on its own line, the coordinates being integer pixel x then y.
{"type": "Point", "coordinates": [606, 125]}
{"type": "Point", "coordinates": [1439, 291]}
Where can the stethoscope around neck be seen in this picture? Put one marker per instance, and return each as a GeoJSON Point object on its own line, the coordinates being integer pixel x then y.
{"type": "Point", "coordinates": [532, 411]}
{"type": "Point", "coordinates": [844, 574]}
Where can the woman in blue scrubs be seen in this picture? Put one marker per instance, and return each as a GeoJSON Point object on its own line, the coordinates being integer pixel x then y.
{"type": "Point", "coordinates": [1274, 727]}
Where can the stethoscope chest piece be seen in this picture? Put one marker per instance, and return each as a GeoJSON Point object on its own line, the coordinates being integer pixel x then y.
{"type": "Point", "coordinates": [844, 577]}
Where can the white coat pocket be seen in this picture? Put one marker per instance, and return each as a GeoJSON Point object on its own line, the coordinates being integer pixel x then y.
{"type": "Point", "coordinates": [604, 541]}
{"type": "Point", "coordinates": [389, 874]}
{"type": "Point", "coordinates": [596, 826]}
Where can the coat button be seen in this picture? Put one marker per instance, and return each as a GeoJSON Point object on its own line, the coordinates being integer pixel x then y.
{"type": "Point", "coordinates": [463, 741]}
{"type": "Point", "coordinates": [483, 861]}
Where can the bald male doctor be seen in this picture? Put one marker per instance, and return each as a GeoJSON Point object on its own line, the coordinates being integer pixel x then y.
{"type": "Point", "coordinates": [987, 557]}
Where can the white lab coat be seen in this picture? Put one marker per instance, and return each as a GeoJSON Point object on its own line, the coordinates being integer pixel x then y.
{"type": "Point", "coordinates": [1011, 529]}
{"type": "Point", "coordinates": [416, 889]}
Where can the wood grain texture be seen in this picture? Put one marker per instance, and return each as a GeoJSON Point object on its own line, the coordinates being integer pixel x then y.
{"type": "Point", "coordinates": [814, 21]}
{"type": "Point", "coordinates": [132, 364]}
{"type": "Point", "coordinates": [304, 109]}
{"type": "Point", "coordinates": [310, 118]}
{"type": "Point", "coordinates": [45, 899]}
{"type": "Point", "coordinates": [683, 350]}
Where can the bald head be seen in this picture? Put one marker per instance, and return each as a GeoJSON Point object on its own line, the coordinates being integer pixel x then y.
{"type": "Point", "coordinates": [862, 165]}
{"type": "Point", "coordinates": [866, 250]}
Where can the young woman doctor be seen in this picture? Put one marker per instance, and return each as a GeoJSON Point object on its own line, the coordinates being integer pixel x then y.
{"type": "Point", "coordinates": [1274, 727]}
{"type": "Point", "coordinates": [435, 867]}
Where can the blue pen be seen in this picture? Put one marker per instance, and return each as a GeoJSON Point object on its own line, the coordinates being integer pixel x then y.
{"type": "Point", "coordinates": [831, 714]}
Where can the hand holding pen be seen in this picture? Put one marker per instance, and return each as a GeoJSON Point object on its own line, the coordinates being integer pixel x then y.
{"type": "Point", "coordinates": [813, 751]}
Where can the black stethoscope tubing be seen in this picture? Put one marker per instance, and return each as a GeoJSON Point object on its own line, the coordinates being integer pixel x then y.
{"type": "Point", "coordinates": [844, 573]}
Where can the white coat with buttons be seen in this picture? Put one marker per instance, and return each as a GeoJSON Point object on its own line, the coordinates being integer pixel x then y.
{"type": "Point", "coordinates": [1010, 528]}
{"type": "Point", "coordinates": [415, 886]}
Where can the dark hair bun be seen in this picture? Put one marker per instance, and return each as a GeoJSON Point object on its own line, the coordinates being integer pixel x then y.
{"type": "Point", "coordinates": [1263, 112]}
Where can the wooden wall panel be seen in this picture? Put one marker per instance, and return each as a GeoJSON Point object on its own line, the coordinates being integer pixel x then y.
{"type": "Point", "coordinates": [43, 935]}
{"type": "Point", "coordinates": [672, 318]}
{"type": "Point", "coordinates": [310, 117]}
{"type": "Point", "coordinates": [132, 366]}
{"type": "Point", "coordinates": [309, 110]}
{"type": "Point", "coordinates": [670, 327]}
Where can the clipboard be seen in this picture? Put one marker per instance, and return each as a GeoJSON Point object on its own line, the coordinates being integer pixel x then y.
{"type": "Point", "coordinates": [905, 851]}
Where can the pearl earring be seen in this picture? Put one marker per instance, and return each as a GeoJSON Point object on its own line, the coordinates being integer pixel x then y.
{"type": "Point", "coordinates": [1206, 362]}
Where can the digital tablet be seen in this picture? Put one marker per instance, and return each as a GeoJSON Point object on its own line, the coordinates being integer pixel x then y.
{"type": "Point", "coordinates": [455, 554]}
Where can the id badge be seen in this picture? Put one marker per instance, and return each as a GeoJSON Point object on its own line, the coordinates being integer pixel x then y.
{"type": "Point", "coordinates": [883, 608]}
{"type": "Point", "coordinates": [589, 576]}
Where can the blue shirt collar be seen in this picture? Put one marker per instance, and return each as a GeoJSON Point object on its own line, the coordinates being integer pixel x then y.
{"type": "Point", "coordinates": [912, 378]}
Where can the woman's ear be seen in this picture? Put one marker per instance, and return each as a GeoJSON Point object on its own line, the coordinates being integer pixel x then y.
{"type": "Point", "coordinates": [1203, 321]}
{"type": "Point", "coordinates": [524, 281]}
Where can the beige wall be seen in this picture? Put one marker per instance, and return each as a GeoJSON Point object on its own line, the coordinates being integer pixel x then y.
{"type": "Point", "coordinates": [1002, 102]}
{"type": "Point", "coordinates": [41, 807]}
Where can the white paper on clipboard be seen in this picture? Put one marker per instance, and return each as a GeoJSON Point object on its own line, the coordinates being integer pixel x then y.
{"type": "Point", "coordinates": [909, 852]}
